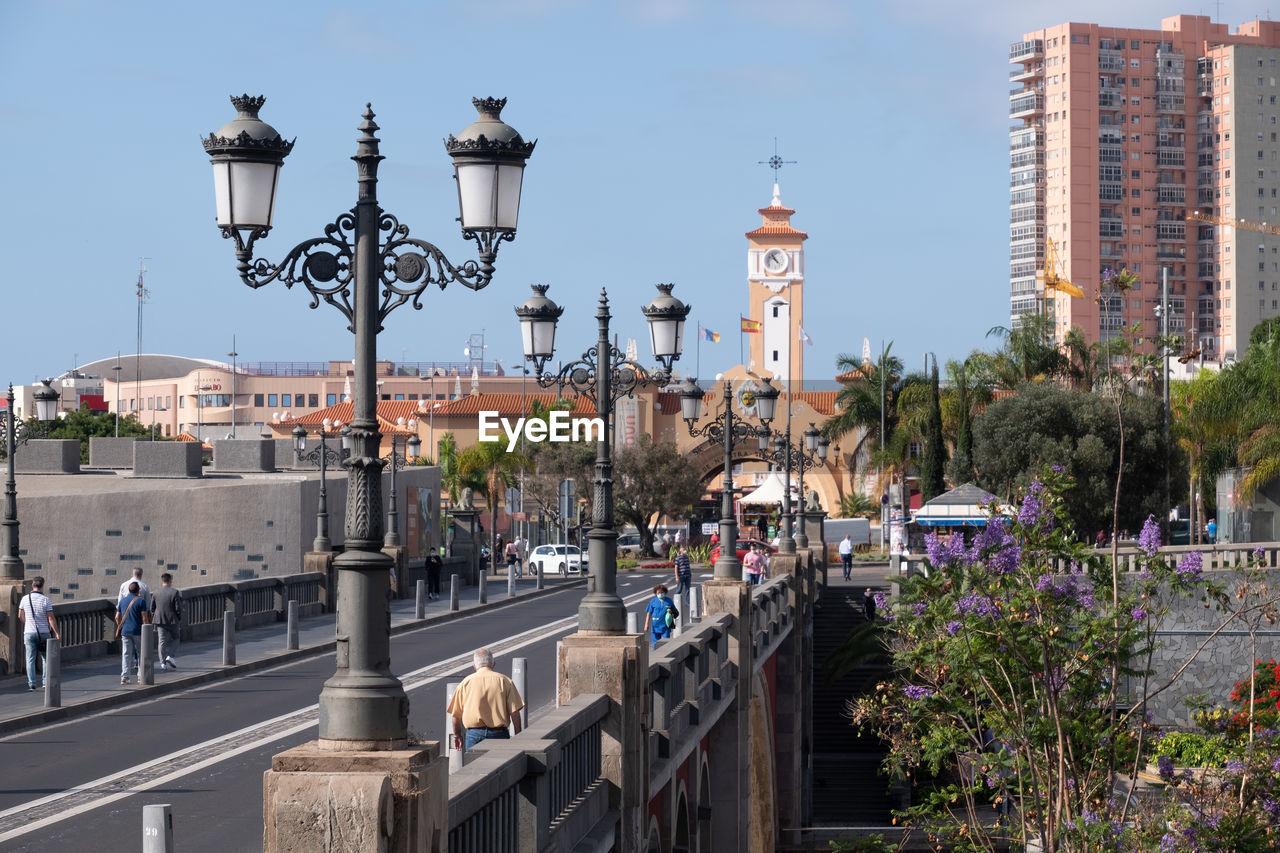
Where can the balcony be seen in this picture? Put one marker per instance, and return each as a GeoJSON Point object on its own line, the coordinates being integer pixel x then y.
{"type": "Point", "coordinates": [1024, 138]}
{"type": "Point", "coordinates": [1169, 102]}
{"type": "Point", "coordinates": [1110, 100]}
{"type": "Point", "coordinates": [1107, 154]}
{"type": "Point", "coordinates": [1205, 269]}
{"type": "Point", "coordinates": [1026, 214]}
{"type": "Point", "coordinates": [1026, 51]}
{"type": "Point", "coordinates": [1176, 231]}
{"type": "Point", "coordinates": [1026, 158]}
{"type": "Point", "coordinates": [1205, 198]}
{"type": "Point", "coordinates": [1028, 195]}
{"type": "Point", "coordinates": [1176, 159]}
{"type": "Point", "coordinates": [1203, 160]}
{"type": "Point", "coordinates": [1170, 253]}
{"type": "Point", "coordinates": [1171, 195]}
{"type": "Point", "coordinates": [1110, 192]}
{"type": "Point", "coordinates": [1204, 87]}
{"type": "Point", "coordinates": [1028, 72]}
{"type": "Point", "coordinates": [1024, 106]}
{"type": "Point", "coordinates": [1026, 177]}
{"type": "Point", "coordinates": [1110, 228]}
{"type": "Point", "coordinates": [1110, 60]}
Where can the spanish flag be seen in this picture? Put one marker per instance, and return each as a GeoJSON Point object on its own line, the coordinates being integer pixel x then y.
{"type": "Point", "coordinates": [751, 327]}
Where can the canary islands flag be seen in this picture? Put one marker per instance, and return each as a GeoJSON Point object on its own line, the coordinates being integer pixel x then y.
{"type": "Point", "coordinates": [708, 335]}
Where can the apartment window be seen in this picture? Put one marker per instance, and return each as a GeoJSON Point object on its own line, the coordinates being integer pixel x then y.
{"type": "Point", "coordinates": [1133, 63]}
{"type": "Point", "coordinates": [1259, 81]}
{"type": "Point", "coordinates": [286, 399]}
{"type": "Point", "coordinates": [331, 399]}
{"type": "Point", "coordinates": [775, 355]}
{"type": "Point", "coordinates": [1137, 137]}
{"type": "Point", "coordinates": [273, 400]}
{"type": "Point", "coordinates": [1136, 174]}
{"type": "Point", "coordinates": [1135, 268]}
{"type": "Point", "coordinates": [1134, 45]}
{"type": "Point", "coordinates": [1136, 211]}
{"type": "Point", "coordinates": [1262, 285]}
{"type": "Point", "coordinates": [1135, 156]}
{"type": "Point", "coordinates": [399, 397]}
{"type": "Point", "coordinates": [168, 402]}
{"type": "Point", "coordinates": [258, 399]}
{"type": "Point", "coordinates": [1136, 193]}
{"type": "Point", "coordinates": [313, 401]}
{"type": "Point", "coordinates": [1133, 120]}
{"type": "Point", "coordinates": [1133, 81]}
{"type": "Point", "coordinates": [182, 402]}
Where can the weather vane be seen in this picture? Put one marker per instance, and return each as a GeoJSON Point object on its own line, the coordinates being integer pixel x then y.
{"type": "Point", "coordinates": [775, 162]}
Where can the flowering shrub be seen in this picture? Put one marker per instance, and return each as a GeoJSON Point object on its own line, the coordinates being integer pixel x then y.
{"type": "Point", "coordinates": [1265, 696]}
{"type": "Point", "coordinates": [1009, 657]}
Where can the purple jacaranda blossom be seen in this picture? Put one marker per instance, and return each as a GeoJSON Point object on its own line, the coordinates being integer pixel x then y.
{"type": "Point", "coordinates": [1275, 766]}
{"type": "Point", "coordinates": [1057, 467]}
{"type": "Point", "coordinates": [1029, 513]}
{"type": "Point", "coordinates": [1259, 553]}
{"type": "Point", "coordinates": [1149, 538]}
{"type": "Point", "coordinates": [1235, 766]}
{"type": "Point", "coordinates": [918, 609]}
{"type": "Point", "coordinates": [1074, 587]}
{"type": "Point", "coordinates": [1165, 764]}
{"type": "Point", "coordinates": [953, 628]}
{"type": "Point", "coordinates": [975, 604]}
{"type": "Point", "coordinates": [1006, 560]}
{"type": "Point", "coordinates": [1168, 844]}
{"type": "Point", "coordinates": [911, 691]}
{"type": "Point", "coordinates": [1190, 565]}
{"type": "Point", "coordinates": [1056, 679]}
{"type": "Point", "coordinates": [1138, 614]}
{"type": "Point", "coordinates": [947, 552]}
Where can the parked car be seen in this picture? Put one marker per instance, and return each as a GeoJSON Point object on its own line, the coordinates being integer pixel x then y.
{"type": "Point", "coordinates": [743, 546]}
{"type": "Point", "coordinates": [629, 545]}
{"type": "Point", "coordinates": [557, 560]}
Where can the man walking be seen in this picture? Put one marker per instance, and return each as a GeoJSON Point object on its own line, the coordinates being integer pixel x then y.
{"type": "Point", "coordinates": [166, 614]}
{"type": "Point", "coordinates": [434, 566]}
{"type": "Point", "coordinates": [131, 615]}
{"type": "Point", "coordinates": [485, 704]}
{"type": "Point", "coordinates": [143, 590]}
{"type": "Point", "coordinates": [846, 555]}
{"type": "Point", "coordinates": [35, 612]}
{"type": "Point", "coordinates": [684, 573]}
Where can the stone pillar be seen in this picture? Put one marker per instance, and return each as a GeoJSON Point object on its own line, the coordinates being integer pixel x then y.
{"type": "Point", "coordinates": [322, 561]}
{"type": "Point", "coordinates": [12, 652]}
{"type": "Point", "coordinates": [730, 739]}
{"type": "Point", "coordinates": [791, 711]}
{"type": "Point", "coordinates": [400, 555]}
{"type": "Point", "coordinates": [616, 665]}
{"type": "Point", "coordinates": [394, 801]}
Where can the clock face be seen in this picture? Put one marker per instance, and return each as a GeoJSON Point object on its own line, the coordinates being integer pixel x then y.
{"type": "Point", "coordinates": [775, 261]}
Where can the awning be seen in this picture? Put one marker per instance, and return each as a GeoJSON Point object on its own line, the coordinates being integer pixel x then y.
{"type": "Point", "coordinates": [769, 492]}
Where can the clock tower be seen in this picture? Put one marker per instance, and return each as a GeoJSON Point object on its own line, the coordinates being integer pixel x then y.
{"type": "Point", "coordinates": [775, 280]}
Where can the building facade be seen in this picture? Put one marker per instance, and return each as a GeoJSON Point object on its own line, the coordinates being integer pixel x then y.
{"type": "Point", "coordinates": [1153, 151]}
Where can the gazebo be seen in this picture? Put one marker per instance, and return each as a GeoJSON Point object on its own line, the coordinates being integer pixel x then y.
{"type": "Point", "coordinates": [963, 506]}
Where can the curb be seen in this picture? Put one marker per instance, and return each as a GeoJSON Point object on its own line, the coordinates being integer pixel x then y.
{"type": "Point", "coordinates": [53, 715]}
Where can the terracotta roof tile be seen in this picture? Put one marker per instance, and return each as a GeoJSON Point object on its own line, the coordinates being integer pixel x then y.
{"type": "Point", "coordinates": [777, 229]}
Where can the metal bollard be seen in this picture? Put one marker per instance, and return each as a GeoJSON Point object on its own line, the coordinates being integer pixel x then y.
{"type": "Point", "coordinates": [146, 655]}
{"type": "Point", "coordinates": [157, 829]}
{"type": "Point", "coordinates": [694, 595]}
{"type": "Point", "coordinates": [519, 677]}
{"type": "Point", "coordinates": [454, 755]}
{"type": "Point", "coordinates": [558, 673]}
{"type": "Point", "coordinates": [539, 572]}
{"type": "Point", "coordinates": [483, 584]}
{"type": "Point", "coordinates": [228, 639]}
{"type": "Point", "coordinates": [453, 592]}
{"type": "Point", "coordinates": [683, 606]}
{"type": "Point", "coordinates": [420, 601]}
{"type": "Point", "coordinates": [633, 622]}
{"type": "Point", "coordinates": [291, 626]}
{"type": "Point", "coordinates": [511, 584]}
{"type": "Point", "coordinates": [53, 673]}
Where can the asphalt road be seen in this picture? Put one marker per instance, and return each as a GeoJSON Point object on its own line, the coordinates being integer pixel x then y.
{"type": "Point", "coordinates": [81, 784]}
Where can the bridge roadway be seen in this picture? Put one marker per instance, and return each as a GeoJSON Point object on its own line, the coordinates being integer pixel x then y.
{"type": "Point", "coordinates": [81, 783]}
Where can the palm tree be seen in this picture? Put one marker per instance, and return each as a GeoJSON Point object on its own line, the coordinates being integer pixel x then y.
{"type": "Point", "coordinates": [970, 392]}
{"type": "Point", "coordinates": [1254, 384]}
{"type": "Point", "coordinates": [493, 467]}
{"type": "Point", "coordinates": [1028, 354]}
{"type": "Point", "coordinates": [1204, 414]}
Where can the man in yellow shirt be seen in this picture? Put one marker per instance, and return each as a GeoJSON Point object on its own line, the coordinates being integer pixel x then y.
{"type": "Point", "coordinates": [485, 704]}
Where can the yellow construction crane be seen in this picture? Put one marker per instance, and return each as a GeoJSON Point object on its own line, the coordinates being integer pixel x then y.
{"type": "Point", "coordinates": [1049, 275]}
{"type": "Point", "coordinates": [1244, 224]}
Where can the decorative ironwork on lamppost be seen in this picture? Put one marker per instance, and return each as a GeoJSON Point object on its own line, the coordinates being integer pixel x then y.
{"type": "Point", "coordinates": [395, 461]}
{"type": "Point", "coordinates": [17, 433]}
{"type": "Point", "coordinates": [729, 430]}
{"type": "Point", "coordinates": [602, 375]}
{"type": "Point", "coordinates": [781, 452]}
{"type": "Point", "coordinates": [814, 443]}
{"type": "Point", "coordinates": [366, 265]}
{"type": "Point", "coordinates": [322, 455]}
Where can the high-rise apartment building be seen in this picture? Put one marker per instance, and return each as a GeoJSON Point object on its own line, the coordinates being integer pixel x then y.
{"type": "Point", "coordinates": [1132, 148]}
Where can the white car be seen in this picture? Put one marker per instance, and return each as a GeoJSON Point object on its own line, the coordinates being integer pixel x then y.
{"type": "Point", "coordinates": [629, 545]}
{"type": "Point", "coordinates": [556, 559]}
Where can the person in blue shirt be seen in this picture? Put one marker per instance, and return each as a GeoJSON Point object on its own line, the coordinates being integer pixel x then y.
{"type": "Point", "coordinates": [131, 615]}
{"type": "Point", "coordinates": [1212, 529]}
{"type": "Point", "coordinates": [655, 614]}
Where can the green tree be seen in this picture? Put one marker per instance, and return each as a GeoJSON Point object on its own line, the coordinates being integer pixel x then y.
{"type": "Point", "coordinates": [83, 425]}
{"type": "Point", "coordinates": [1046, 424]}
{"type": "Point", "coordinates": [494, 468]}
{"type": "Point", "coordinates": [649, 481]}
{"type": "Point", "coordinates": [1027, 353]}
{"type": "Point", "coordinates": [452, 480]}
{"type": "Point", "coordinates": [934, 459]}
{"type": "Point", "coordinates": [858, 505]}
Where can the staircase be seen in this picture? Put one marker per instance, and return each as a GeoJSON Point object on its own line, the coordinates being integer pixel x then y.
{"type": "Point", "coordinates": [848, 789]}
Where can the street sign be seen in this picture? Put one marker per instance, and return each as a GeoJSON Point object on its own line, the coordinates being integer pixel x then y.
{"type": "Point", "coordinates": [513, 497]}
{"type": "Point", "coordinates": [566, 497]}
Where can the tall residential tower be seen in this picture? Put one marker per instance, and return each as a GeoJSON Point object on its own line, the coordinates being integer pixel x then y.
{"type": "Point", "coordinates": [1132, 148]}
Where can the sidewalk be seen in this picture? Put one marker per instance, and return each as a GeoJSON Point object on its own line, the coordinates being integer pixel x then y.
{"type": "Point", "coordinates": [94, 684]}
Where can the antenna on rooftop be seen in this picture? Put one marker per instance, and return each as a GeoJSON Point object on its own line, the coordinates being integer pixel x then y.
{"type": "Point", "coordinates": [143, 295]}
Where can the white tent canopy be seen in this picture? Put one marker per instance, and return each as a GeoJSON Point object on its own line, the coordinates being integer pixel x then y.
{"type": "Point", "coordinates": [770, 491]}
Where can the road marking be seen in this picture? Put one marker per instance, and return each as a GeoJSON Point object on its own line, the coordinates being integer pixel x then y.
{"type": "Point", "coordinates": [37, 814]}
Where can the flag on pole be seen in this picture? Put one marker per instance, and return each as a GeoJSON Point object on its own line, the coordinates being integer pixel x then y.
{"type": "Point", "coordinates": [805, 338]}
{"type": "Point", "coordinates": [751, 327]}
{"type": "Point", "coordinates": [708, 335]}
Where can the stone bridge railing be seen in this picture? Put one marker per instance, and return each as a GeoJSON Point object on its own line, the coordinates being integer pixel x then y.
{"type": "Point", "coordinates": [544, 790]}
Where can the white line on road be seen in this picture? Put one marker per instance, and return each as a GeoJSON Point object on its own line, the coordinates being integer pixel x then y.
{"type": "Point", "coordinates": [37, 814]}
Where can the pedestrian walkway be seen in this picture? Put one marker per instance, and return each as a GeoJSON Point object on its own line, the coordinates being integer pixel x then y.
{"type": "Point", "coordinates": [94, 684]}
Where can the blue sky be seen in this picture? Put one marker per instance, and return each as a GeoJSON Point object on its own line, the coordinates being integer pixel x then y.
{"type": "Point", "coordinates": [651, 118]}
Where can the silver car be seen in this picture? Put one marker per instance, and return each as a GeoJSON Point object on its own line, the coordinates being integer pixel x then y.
{"type": "Point", "coordinates": [556, 559]}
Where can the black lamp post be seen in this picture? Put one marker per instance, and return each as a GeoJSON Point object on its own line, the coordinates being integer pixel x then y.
{"type": "Point", "coordinates": [603, 375]}
{"type": "Point", "coordinates": [730, 431]}
{"type": "Point", "coordinates": [395, 461]}
{"type": "Point", "coordinates": [784, 454]}
{"type": "Point", "coordinates": [323, 455]}
{"type": "Point", "coordinates": [366, 265]}
{"type": "Point", "coordinates": [15, 433]}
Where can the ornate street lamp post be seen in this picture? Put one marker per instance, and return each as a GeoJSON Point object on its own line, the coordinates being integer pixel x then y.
{"type": "Point", "coordinates": [781, 452]}
{"type": "Point", "coordinates": [395, 461]}
{"type": "Point", "coordinates": [366, 265]}
{"type": "Point", "coordinates": [323, 455]}
{"type": "Point", "coordinates": [16, 433]}
{"type": "Point", "coordinates": [602, 375]}
{"type": "Point", "coordinates": [730, 431]}
{"type": "Point", "coordinates": [814, 443]}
